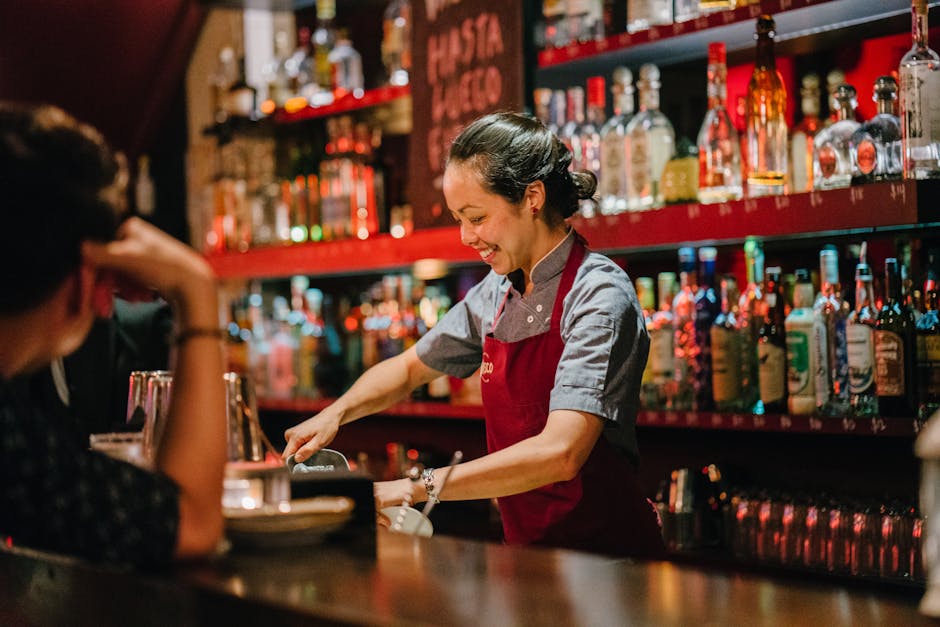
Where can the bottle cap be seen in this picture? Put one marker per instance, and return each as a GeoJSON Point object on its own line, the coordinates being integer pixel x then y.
{"type": "Point", "coordinates": [707, 253]}
{"type": "Point", "coordinates": [622, 76]}
{"type": "Point", "coordinates": [766, 26]}
{"type": "Point", "coordinates": [802, 275]}
{"type": "Point", "coordinates": [716, 53]}
{"type": "Point", "coordinates": [686, 253]}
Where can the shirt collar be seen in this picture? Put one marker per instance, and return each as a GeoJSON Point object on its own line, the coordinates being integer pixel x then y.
{"type": "Point", "coordinates": [549, 266]}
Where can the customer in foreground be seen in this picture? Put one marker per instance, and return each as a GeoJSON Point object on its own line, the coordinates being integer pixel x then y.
{"type": "Point", "coordinates": [63, 249]}
{"type": "Point", "coordinates": [559, 337]}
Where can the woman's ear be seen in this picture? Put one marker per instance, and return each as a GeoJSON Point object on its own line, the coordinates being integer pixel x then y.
{"type": "Point", "coordinates": [535, 197]}
{"type": "Point", "coordinates": [91, 291]}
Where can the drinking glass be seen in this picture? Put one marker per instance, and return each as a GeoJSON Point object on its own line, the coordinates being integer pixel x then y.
{"type": "Point", "coordinates": [137, 396]}
{"type": "Point", "coordinates": [156, 408]}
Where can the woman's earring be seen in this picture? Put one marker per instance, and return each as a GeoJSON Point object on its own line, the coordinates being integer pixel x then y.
{"type": "Point", "coordinates": [535, 210]}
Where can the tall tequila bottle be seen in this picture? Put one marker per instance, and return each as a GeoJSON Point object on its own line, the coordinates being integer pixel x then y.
{"type": "Point", "coordinates": [860, 337]}
{"type": "Point", "coordinates": [801, 358]}
{"type": "Point", "coordinates": [920, 107]}
{"type": "Point", "coordinates": [652, 144]}
{"type": "Point", "coordinates": [662, 337]}
{"type": "Point", "coordinates": [571, 132]}
{"type": "Point", "coordinates": [766, 119]}
{"type": "Point", "coordinates": [831, 315]}
{"type": "Point", "coordinates": [928, 342]}
{"type": "Point", "coordinates": [591, 135]}
{"type": "Point", "coordinates": [719, 154]}
{"type": "Point", "coordinates": [772, 346]}
{"type": "Point", "coordinates": [833, 156]}
{"type": "Point", "coordinates": [707, 308]}
{"type": "Point", "coordinates": [396, 41]}
{"type": "Point", "coordinates": [615, 148]}
{"type": "Point", "coordinates": [324, 40]}
{"type": "Point", "coordinates": [803, 135]}
{"type": "Point", "coordinates": [895, 348]}
{"type": "Point", "coordinates": [877, 142]}
{"type": "Point", "coordinates": [750, 316]}
{"type": "Point", "coordinates": [686, 347]}
{"type": "Point", "coordinates": [726, 353]}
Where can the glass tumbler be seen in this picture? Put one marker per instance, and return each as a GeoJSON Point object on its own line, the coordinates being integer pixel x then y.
{"type": "Point", "coordinates": [156, 408]}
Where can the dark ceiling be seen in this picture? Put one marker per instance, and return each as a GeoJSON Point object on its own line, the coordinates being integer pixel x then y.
{"type": "Point", "coordinates": [117, 64]}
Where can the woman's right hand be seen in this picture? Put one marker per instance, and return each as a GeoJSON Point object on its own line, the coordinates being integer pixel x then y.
{"type": "Point", "coordinates": [308, 437]}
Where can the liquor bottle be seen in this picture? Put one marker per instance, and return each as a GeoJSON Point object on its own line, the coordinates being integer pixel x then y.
{"type": "Point", "coordinates": [919, 72]}
{"type": "Point", "coordinates": [834, 79]}
{"type": "Point", "coordinates": [652, 143]}
{"type": "Point", "coordinates": [750, 316]}
{"type": "Point", "coordinates": [928, 342]}
{"type": "Point", "coordinates": [860, 338]}
{"type": "Point", "coordinates": [615, 149]}
{"type": "Point", "coordinates": [833, 157]}
{"type": "Point", "coordinates": [719, 154]}
{"type": "Point", "coordinates": [895, 349]}
{"type": "Point", "coordinates": [801, 358]}
{"type": "Point", "coordinates": [707, 307]}
{"type": "Point", "coordinates": [324, 39]}
{"type": "Point", "coordinates": [710, 6]}
{"type": "Point", "coordinates": [555, 33]}
{"type": "Point", "coordinates": [571, 132]}
{"type": "Point", "coordinates": [772, 346]}
{"type": "Point", "coordinates": [642, 14]}
{"type": "Point", "coordinates": [877, 142]}
{"type": "Point", "coordinates": [726, 352]}
{"type": "Point", "coordinates": [281, 375]}
{"type": "Point", "coordinates": [644, 293]}
{"type": "Point", "coordinates": [585, 19]}
{"type": "Point", "coordinates": [220, 81]}
{"type": "Point", "coordinates": [679, 181]}
{"type": "Point", "coordinates": [662, 340]}
{"type": "Point", "coordinates": [686, 347]}
{"type": "Point", "coordinates": [347, 67]}
{"type": "Point", "coordinates": [830, 314]}
{"type": "Point", "coordinates": [766, 119]}
{"type": "Point", "coordinates": [558, 112]}
{"type": "Point", "coordinates": [276, 73]}
{"type": "Point", "coordinates": [396, 41]}
{"type": "Point", "coordinates": [685, 10]}
{"type": "Point", "coordinates": [542, 99]}
{"type": "Point", "coordinates": [591, 135]}
{"type": "Point", "coordinates": [802, 136]}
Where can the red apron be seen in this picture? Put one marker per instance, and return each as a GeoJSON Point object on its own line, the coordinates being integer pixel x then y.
{"type": "Point", "coordinates": [602, 509]}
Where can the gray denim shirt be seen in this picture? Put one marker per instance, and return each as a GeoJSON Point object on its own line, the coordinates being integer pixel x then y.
{"type": "Point", "coordinates": [606, 343]}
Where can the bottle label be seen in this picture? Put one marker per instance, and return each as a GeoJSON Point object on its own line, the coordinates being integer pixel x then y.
{"type": "Point", "coordinates": [613, 173]}
{"type": "Point", "coordinates": [889, 364]}
{"type": "Point", "coordinates": [772, 372]}
{"type": "Point", "coordinates": [639, 165]}
{"type": "Point", "coordinates": [662, 355]}
{"type": "Point", "coordinates": [920, 108]}
{"type": "Point", "coordinates": [726, 371]}
{"type": "Point", "coordinates": [800, 148]}
{"type": "Point", "coordinates": [930, 362]}
{"type": "Point", "coordinates": [866, 156]}
{"type": "Point", "coordinates": [828, 160]}
{"type": "Point", "coordinates": [839, 374]}
{"type": "Point", "coordinates": [820, 348]}
{"type": "Point", "coordinates": [861, 353]}
{"type": "Point", "coordinates": [798, 362]}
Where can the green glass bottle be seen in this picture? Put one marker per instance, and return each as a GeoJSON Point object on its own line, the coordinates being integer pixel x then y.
{"type": "Point", "coordinates": [895, 350]}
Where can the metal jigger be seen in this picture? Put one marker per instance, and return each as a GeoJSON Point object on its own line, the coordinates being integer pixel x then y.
{"type": "Point", "coordinates": [927, 448]}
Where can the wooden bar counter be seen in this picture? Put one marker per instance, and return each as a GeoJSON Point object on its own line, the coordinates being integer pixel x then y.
{"type": "Point", "coordinates": [435, 581]}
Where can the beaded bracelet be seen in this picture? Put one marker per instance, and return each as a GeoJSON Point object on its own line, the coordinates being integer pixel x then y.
{"type": "Point", "coordinates": [428, 477]}
{"type": "Point", "coordinates": [194, 332]}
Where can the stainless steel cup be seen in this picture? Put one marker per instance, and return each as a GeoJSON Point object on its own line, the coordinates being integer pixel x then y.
{"type": "Point", "coordinates": [245, 437]}
{"type": "Point", "coordinates": [156, 408]}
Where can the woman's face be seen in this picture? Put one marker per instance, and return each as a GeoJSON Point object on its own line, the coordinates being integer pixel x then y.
{"type": "Point", "coordinates": [501, 232]}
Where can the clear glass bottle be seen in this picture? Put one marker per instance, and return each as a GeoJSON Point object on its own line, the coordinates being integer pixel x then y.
{"type": "Point", "coordinates": [895, 348]}
{"type": "Point", "coordinates": [719, 154]}
{"type": "Point", "coordinates": [750, 316]}
{"type": "Point", "coordinates": [642, 14]}
{"type": "Point", "coordinates": [685, 10]}
{"type": "Point", "coordinates": [558, 112]}
{"type": "Point", "coordinates": [591, 135]}
{"type": "Point", "coordinates": [652, 144]}
{"type": "Point", "coordinates": [766, 118]}
{"type": "Point", "coordinates": [833, 157]}
{"type": "Point", "coordinates": [726, 352]}
{"type": "Point", "coordinates": [300, 66]}
{"type": "Point", "coordinates": [834, 78]}
{"type": "Point", "coordinates": [396, 41]}
{"type": "Point", "coordinates": [571, 132]}
{"type": "Point", "coordinates": [276, 72]}
{"type": "Point", "coordinates": [585, 19]}
{"type": "Point", "coordinates": [707, 308]}
{"type": "Point", "coordinates": [324, 39]}
{"type": "Point", "coordinates": [542, 98]}
{"type": "Point", "coordinates": [919, 72]}
{"type": "Point", "coordinates": [803, 135]}
{"type": "Point", "coordinates": [772, 345]}
{"type": "Point", "coordinates": [682, 396]}
{"type": "Point", "coordinates": [830, 313]}
{"type": "Point", "coordinates": [662, 340]}
{"type": "Point", "coordinates": [347, 68]}
{"type": "Point", "coordinates": [860, 338]}
{"type": "Point", "coordinates": [801, 358]}
{"type": "Point", "coordinates": [928, 341]}
{"type": "Point", "coordinates": [877, 142]}
{"type": "Point", "coordinates": [555, 29]}
{"type": "Point", "coordinates": [615, 149]}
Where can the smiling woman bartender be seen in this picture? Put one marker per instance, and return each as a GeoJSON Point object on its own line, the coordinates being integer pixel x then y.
{"type": "Point", "coordinates": [558, 334]}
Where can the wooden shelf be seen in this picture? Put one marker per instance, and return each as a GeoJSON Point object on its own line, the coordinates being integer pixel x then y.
{"type": "Point", "coordinates": [683, 41]}
{"type": "Point", "coordinates": [349, 102]}
{"type": "Point", "coordinates": [862, 209]}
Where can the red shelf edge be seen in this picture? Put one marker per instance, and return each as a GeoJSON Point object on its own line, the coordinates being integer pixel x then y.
{"type": "Point", "coordinates": [780, 423]}
{"type": "Point", "coordinates": [370, 98]}
{"type": "Point", "coordinates": [621, 41]}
